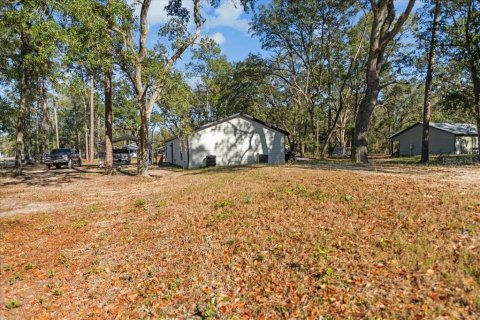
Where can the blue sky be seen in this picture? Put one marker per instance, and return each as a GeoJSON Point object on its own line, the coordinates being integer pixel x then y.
{"type": "Point", "coordinates": [227, 24]}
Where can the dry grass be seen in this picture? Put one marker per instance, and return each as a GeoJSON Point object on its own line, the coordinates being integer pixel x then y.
{"type": "Point", "coordinates": [257, 242]}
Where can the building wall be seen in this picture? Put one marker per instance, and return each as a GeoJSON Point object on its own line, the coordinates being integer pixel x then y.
{"type": "Point", "coordinates": [176, 153]}
{"type": "Point", "coordinates": [465, 144]}
{"type": "Point", "coordinates": [235, 142]}
{"type": "Point", "coordinates": [410, 141]}
{"type": "Point", "coordinates": [441, 142]}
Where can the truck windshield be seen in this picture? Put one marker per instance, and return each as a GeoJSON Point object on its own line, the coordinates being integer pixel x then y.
{"type": "Point", "coordinates": [60, 151]}
{"type": "Point", "coordinates": [120, 151]}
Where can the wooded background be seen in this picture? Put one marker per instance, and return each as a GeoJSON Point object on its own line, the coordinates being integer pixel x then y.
{"type": "Point", "coordinates": [334, 73]}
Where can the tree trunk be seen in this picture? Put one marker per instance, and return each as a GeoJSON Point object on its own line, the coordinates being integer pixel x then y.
{"type": "Point", "coordinates": [85, 124]}
{"type": "Point", "coordinates": [20, 123]}
{"type": "Point", "coordinates": [45, 124]}
{"type": "Point", "coordinates": [331, 129]}
{"type": "Point", "coordinates": [365, 111]}
{"type": "Point", "coordinates": [56, 123]}
{"type": "Point", "coordinates": [362, 122]}
{"type": "Point", "coordinates": [77, 129]}
{"type": "Point", "coordinates": [317, 139]}
{"type": "Point", "coordinates": [428, 85]}
{"type": "Point", "coordinates": [476, 94]}
{"type": "Point", "coordinates": [92, 119]}
{"type": "Point", "coordinates": [381, 35]}
{"type": "Point", "coordinates": [473, 68]}
{"type": "Point", "coordinates": [108, 124]}
{"type": "Point", "coordinates": [142, 157]}
{"type": "Point", "coordinates": [22, 105]}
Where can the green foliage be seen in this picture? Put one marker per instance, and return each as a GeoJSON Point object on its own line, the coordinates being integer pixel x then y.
{"type": "Point", "coordinates": [8, 116]}
{"type": "Point", "coordinates": [64, 260]}
{"type": "Point", "coordinates": [224, 203]}
{"type": "Point", "coordinates": [161, 203]}
{"type": "Point", "coordinates": [140, 203]}
{"type": "Point", "coordinates": [12, 304]}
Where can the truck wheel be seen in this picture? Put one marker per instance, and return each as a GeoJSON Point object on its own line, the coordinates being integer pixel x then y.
{"type": "Point", "coordinates": [48, 166]}
{"type": "Point", "coordinates": [70, 164]}
{"type": "Point", "coordinates": [79, 162]}
{"type": "Point", "coordinates": [58, 166]}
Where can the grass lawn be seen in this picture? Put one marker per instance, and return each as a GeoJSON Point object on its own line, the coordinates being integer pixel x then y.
{"type": "Point", "coordinates": [324, 239]}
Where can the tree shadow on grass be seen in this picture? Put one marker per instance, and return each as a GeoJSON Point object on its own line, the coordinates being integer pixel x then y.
{"type": "Point", "coordinates": [34, 176]}
{"type": "Point", "coordinates": [229, 169]}
{"type": "Point", "coordinates": [394, 168]}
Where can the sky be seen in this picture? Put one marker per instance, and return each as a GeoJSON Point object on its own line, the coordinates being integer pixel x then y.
{"type": "Point", "coordinates": [227, 24]}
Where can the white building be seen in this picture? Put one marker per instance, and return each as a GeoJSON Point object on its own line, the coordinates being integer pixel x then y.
{"type": "Point", "coordinates": [236, 140]}
{"type": "Point", "coordinates": [445, 138]}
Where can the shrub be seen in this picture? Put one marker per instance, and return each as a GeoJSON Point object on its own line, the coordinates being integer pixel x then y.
{"type": "Point", "coordinates": [222, 204]}
{"type": "Point", "coordinates": [12, 304]}
{"type": "Point", "coordinates": [140, 202]}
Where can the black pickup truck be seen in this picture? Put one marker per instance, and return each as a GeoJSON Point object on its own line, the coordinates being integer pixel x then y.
{"type": "Point", "coordinates": [62, 157]}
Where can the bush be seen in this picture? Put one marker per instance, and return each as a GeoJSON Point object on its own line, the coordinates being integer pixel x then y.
{"type": "Point", "coordinates": [465, 159]}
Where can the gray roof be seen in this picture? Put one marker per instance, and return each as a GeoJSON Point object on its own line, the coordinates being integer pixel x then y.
{"type": "Point", "coordinates": [456, 128]}
{"type": "Point", "coordinates": [460, 129]}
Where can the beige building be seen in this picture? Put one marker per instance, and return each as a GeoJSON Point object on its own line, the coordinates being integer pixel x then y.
{"type": "Point", "coordinates": [445, 138]}
{"type": "Point", "coordinates": [236, 140]}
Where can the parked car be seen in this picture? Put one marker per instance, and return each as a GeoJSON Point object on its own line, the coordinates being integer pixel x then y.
{"type": "Point", "coordinates": [121, 156]}
{"type": "Point", "coordinates": [62, 157]}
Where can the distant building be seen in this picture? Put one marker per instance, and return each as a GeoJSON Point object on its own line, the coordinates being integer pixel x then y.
{"type": "Point", "coordinates": [236, 140]}
{"type": "Point", "coordinates": [445, 138]}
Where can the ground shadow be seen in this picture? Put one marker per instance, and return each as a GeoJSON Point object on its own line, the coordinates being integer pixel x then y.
{"type": "Point", "coordinates": [39, 176]}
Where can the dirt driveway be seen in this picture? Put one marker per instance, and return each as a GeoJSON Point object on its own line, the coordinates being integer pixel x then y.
{"type": "Point", "coordinates": [41, 190]}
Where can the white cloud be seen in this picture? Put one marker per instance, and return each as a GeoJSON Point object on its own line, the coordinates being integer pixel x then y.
{"type": "Point", "coordinates": [157, 13]}
{"type": "Point", "coordinates": [228, 14]}
{"type": "Point", "coordinates": [218, 37]}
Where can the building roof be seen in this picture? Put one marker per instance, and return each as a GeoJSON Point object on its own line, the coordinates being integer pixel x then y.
{"type": "Point", "coordinates": [125, 138]}
{"type": "Point", "coordinates": [246, 116]}
{"type": "Point", "coordinates": [466, 129]}
{"type": "Point", "coordinates": [459, 129]}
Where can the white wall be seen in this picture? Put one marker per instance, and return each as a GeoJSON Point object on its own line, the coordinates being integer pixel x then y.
{"type": "Point", "coordinates": [235, 142]}
{"type": "Point", "coordinates": [179, 155]}
{"type": "Point", "coordinates": [465, 144]}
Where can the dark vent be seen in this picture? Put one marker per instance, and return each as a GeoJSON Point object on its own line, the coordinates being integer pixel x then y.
{"type": "Point", "coordinates": [263, 158]}
{"type": "Point", "coordinates": [211, 161]}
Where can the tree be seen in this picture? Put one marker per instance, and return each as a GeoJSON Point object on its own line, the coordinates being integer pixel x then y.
{"type": "Point", "coordinates": [355, 45]}
{"type": "Point", "coordinates": [149, 70]}
{"type": "Point", "coordinates": [94, 22]}
{"type": "Point", "coordinates": [459, 48]}
{"type": "Point", "coordinates": [302, 35]}
{"type": "Point", "coordinates": [137, 60]}
{"type": "Point", "coordinates": [31, 38]}
{"type": "Point", "coordinates": [384, 29]}
{"type": "Point", "coordinates": [428, 82]}
{"type": "Point", "coordinates": [212, 70]}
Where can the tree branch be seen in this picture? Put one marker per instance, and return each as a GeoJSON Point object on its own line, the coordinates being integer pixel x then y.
{"type": "Point", "coordinates": [398, 25]}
